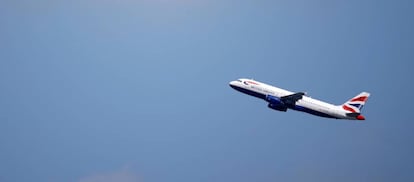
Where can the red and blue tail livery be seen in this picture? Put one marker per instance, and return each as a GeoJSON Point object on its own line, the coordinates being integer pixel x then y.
{"type": "Point", "coordinates": [282, 100]}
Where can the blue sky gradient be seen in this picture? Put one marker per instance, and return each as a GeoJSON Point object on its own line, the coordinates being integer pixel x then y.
{"type": "Point", "coordinates": [138, 90]}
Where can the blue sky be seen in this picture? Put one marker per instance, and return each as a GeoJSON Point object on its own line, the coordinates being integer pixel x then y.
{"type": "Point", "coordinates": [138, 90]}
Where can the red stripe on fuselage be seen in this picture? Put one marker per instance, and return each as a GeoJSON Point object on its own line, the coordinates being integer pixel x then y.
{"type": "Point", "coordinates": [254, 83]}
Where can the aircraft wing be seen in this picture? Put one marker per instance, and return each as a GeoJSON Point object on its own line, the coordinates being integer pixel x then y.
{"type": "Point", "coordinates": [290, 100]}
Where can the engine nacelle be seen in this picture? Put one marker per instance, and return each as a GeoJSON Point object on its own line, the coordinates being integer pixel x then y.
{"type": "Point", "coordinates": [274, 100]}
{"type": "Point", "coordinates": [275, 103]}
{"type": "Point", "coordinates": [277, 107]}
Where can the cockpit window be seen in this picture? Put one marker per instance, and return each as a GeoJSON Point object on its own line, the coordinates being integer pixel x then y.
{"type": "Point", "coordinates": [239, 80]}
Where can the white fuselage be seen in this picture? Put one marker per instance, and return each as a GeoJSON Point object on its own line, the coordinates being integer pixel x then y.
{"type": "Point", "coordinates": [306, 104]}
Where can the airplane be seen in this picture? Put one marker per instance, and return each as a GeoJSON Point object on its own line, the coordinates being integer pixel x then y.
{"type": "Point", "coordinates": [282, 100]}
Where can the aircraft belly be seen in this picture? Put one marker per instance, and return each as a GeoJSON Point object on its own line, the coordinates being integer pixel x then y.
{"type": "Point", "coordinates": [311, 109]}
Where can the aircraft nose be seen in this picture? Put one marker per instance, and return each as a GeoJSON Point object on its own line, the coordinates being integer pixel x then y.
{"type": "Point", "coordinates": [232, 84]}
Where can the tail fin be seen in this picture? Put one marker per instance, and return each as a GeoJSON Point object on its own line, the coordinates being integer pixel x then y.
{"type": "Point", "coordinates": [355, 104]}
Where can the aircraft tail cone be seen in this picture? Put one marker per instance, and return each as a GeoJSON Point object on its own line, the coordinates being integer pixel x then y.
{"type": "Point", "coordinates": [360, 117]}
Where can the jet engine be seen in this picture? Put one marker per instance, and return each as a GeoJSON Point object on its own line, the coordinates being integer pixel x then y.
{"type": "Point", "coordinates": [275, 103]}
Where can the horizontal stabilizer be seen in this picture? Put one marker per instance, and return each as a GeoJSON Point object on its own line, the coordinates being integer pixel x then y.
{"type": "Point", "coordinates": [352, 114]}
